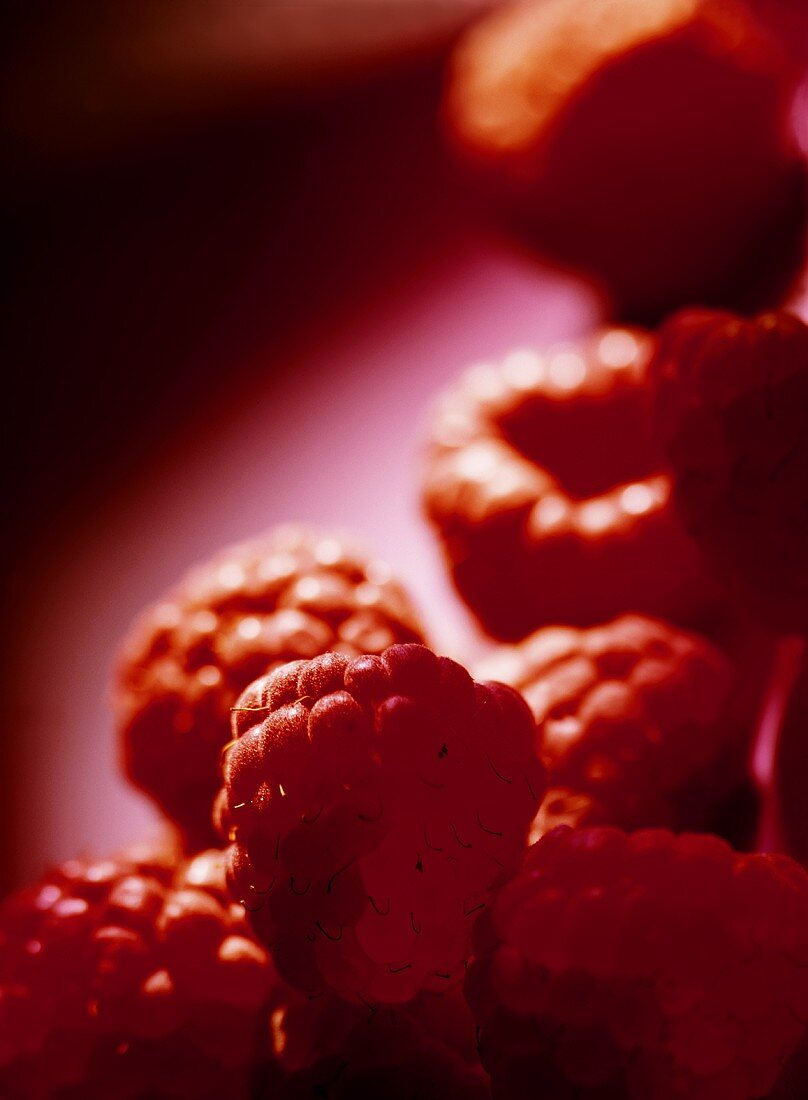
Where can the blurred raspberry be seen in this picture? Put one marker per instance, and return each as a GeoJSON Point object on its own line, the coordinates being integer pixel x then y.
{"type": "Point", "coordinates": [644, 967]}
{"type": "Point", "coordinates": [788, 19]}
{"type": "Point", "coordinates": [731, 400]}
{"type": "Point", "coordinates": [549, 493]}
{"type": "Point", "coordinates": [425, 1050]}
{"type": "Point", "coordinates": [130, 978]}
{"type": "Point", "coordinates": [373, 804]}
{"type": "Point", "coordinates": [288, 595]}
{"type": "Point", "coordinates": [645, 143]}
{"type": "Point", "coordinates": [791, 770]}
{"type": "Point", "coordinates": [636, 723]}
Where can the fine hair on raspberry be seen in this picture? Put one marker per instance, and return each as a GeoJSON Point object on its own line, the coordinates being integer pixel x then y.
{"type": "Point", "coordinates": [372, 805]}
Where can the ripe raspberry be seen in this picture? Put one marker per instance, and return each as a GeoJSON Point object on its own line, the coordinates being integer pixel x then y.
{"type": "Point", "coordinates": [644, 966]}
{"type": "Point", "coordinates": [645, 143]}
{"type": "Point", "coordinates": [731, 401]}
{"type": "Point", "coordinates": [425, 1050]}
{"type": "Point", "coordinates": [635, 723]}
{"type": "Point", "coordinates": [549, 494]}
{"type": "Point", "coordinates": [129, 978]}
{"type": "Point", "coordinates": [373, 804]}
{"type": "Point", "coordinates": [289, 595]}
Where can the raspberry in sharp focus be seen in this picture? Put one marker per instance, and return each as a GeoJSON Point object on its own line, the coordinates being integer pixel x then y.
{"type": "Point", "coordinates": [645, 143]}
{"type": "Point", "coordinates": [731, 407]}
{"type": "Point", "coordinates": [550, 496]}
{"type": "Point", "coordinates": [644, 966]}
{"type": "Point", "coordinates": [372, 805]}
{"type": "Point", "coordinates": [128, 978]}
{"type": "Point", "coordinates": [636, 723]}
{"type": "Point", "coordinates": [291, 594]}
{"type": "Point", "coordinates": [425, 1050]}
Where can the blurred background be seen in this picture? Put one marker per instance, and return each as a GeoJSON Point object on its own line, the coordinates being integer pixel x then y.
{"type": "Point", "coordinates": [243, 262]}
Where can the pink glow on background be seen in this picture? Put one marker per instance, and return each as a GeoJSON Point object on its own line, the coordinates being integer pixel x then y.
{"type": "Point", "coordinates": [334, 443]}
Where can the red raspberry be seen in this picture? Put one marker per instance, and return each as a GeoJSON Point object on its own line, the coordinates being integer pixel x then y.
{"type": "Point", "coordinates": [425, 1050]}
{"type": "Point", "coordinates": [645, 143]}
{"type": "Point", "coordinates": [373, 804]}
{"type": "Point", "coordinates": [731, 400]}
{"type": "Point", "coordinates": [636, 723]}
{"type": "Point", "coordinates": [549, 494]}
{"type": "Point", "coordinates": [643, 966]}
{"type": "Point", "coordinates": [128, 978]}
{"type": "Point", "coordinates": [291, 594]}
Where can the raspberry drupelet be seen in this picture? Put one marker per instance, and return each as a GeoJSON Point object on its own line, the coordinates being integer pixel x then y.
{"type": "Point", "coordinates": [291, 594]}
{"type": "Point", "coordinates": [731, 408]}
{"type": "Point", "coordinates": [130, 977]}
{"type": "Point", "coordinates": [644, 966]}
{"type": "Point", "coordinates": [644, 143]}
{"type": "Point", "coordinates": [550, 495]}
{"type": "Point", "coordinates": [635, 722]}
{"type": "Point", "coordinates": [372, 806]}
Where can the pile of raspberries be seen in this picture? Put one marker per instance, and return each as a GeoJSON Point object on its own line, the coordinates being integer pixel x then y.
{"type": "Point", "coordinates": [553, 876]}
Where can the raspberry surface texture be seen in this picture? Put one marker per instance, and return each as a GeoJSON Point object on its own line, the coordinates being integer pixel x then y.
{"type": "Point", "coordinates": [635, 722]}
{"type": "Point", "coordinates": [425, 1050]}
{"type": "Point", "coordinates": [731, 403]}
{"type": "Point", "coordinates": [372, 806]}
{"type": "Point", "coordinates": [644, 143]}
{"type": "Point", "coordinates": [549, 493]}
{"type": "Point", "coordinates": [130, 977]}
{"type": "Point", "coordinates": [292, 594]}
{"type": "Point", "coordinates": [644, 966]}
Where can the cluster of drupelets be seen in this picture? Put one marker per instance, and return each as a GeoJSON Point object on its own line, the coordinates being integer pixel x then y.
{"type": "Point", "coordinates": [383, 876]}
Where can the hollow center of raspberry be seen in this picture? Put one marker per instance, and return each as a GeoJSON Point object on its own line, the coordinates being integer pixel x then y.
{"type": "Point", "coordinates": [588, 445]}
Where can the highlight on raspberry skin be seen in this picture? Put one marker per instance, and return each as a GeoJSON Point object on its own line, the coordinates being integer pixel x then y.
{"type": "Point", "coordinates": [130, 977]}
{"type": "Point", "coordinates": [731, 407]}
{"type": "Point", "coordinates": [643, 143]}
{"type": "Point", "coordinates": [636, 723]}
{"type": "Point", "coordinates": [643, 966]}
{"type": "Point", "coordinates": [372, 805]}
{"type": "Point", "coordinates": [550, 495]}
{"type": "Point", "coordinates": [291, 594]}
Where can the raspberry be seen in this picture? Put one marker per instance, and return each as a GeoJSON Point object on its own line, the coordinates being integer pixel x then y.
{"type": "Point", "coordinates": [643, 966]}
{"type": "Point", "coordinates": [372, 805]}
{"type": "Point", "coordinates": [425, 1050]}
{"type": "Point", "coordinates": [549, 494]}
{"type": "Point", "coordinates": [635, 723]}
{"type": "Point", "coordinates": [731, 406]}
{"type": "Point", "coordinates": [291, 594]}
{"type": "Point", "coordinates": [645, 143]}
{"type": "Point", "coordinates": [129, 978]}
